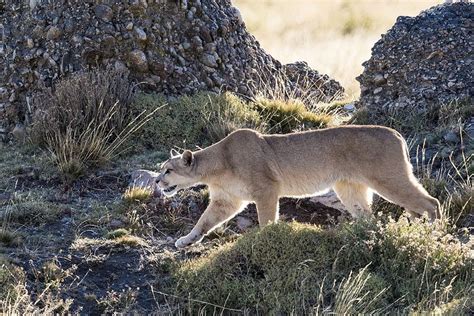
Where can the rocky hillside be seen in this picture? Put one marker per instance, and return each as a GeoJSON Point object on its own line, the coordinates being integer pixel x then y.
{"type": "Point", "coordinates": [173, 47]}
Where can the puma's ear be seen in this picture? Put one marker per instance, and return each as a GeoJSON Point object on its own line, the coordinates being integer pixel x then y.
{"type": "Point", "coordinates": [173, 153]}
{"type": "Point", "coordinates": [187, 158]}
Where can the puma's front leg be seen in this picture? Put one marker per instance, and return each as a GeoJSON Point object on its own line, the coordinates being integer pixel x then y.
{"type": "Point", "coordinates": [218, 212]}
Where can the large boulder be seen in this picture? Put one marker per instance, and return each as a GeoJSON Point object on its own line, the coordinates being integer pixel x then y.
{"type": "Point", "coordinates": [421, 61]}
{"type": "Point", "coordinates": [173, 47]}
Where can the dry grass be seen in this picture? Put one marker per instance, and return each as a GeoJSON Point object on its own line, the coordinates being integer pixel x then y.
{"type": "Point", "coordinates": [84, 130]}
{"type": "Point", "coordinates": [334, 37]}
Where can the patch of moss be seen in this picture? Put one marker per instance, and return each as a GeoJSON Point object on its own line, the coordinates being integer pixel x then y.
{"type": "Point", "coordinates": [121, 232]}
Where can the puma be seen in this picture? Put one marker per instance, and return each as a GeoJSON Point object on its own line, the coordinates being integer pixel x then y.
{"type": "Point", "coordinates": [246, 166]}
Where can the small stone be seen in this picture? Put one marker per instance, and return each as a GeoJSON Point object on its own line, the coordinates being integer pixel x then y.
{"type": "Point", "coordinates": [186, 45]}
{"type": "Point", "coordinates": [104, 12]}
{"type": "Point", "coordinates": [138, 60]}
{"type": "Point", "coordinates": [53, 33]}
{"type": "Point", "coordinates": [3, 93]}
{"type": "Point", "coordinates": [116, 223]}
{"type": "Point", "coordinates": [349, 107]}
{"type": "Point", "coordinates": [379, 80]}
{"type": "Point", "coordinates": [30, 43]}
{"type": "Point", "coordinates": [129, 26]}
{"type": "Point", "coordinates": [378, 90]}
{"type": "Point", "coordinates": [140, 33]}
{"type": "Point", "coordinates": [19, 133]}
{"type": "Point", "coordinates": [451, 137]}
{"type": "Point", "coordinates": [120, 66]}
{"type": "Point", "coordinates": [445, 152]}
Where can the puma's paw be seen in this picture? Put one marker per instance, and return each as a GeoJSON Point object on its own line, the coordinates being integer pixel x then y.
{"type": "Point", "coordinates": [188, 240]}
{"type": "Point", "coordinates": [182, 242]}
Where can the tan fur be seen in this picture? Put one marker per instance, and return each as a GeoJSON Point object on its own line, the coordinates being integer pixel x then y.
{"type": "Point", "coordinates": [250, 167]}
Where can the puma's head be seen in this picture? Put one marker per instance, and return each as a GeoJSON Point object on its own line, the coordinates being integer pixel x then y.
{"type": "Point", "coordinates": [178, 173]}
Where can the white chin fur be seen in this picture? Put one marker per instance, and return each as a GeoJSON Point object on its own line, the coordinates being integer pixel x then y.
{"type": "Point", "coordinates": [171, 193]}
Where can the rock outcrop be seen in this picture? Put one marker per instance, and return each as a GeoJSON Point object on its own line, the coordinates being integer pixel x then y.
{"type": "Point", "coordinates": [172, 47]}
{"type": "Point", "coordinates": [422, 61]}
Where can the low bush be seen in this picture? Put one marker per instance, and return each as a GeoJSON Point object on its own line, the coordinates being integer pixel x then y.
{"type": "Point", "coordinates": [358, 267]}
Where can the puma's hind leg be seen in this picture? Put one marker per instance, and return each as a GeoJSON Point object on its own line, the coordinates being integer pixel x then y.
{"type": "Point", "coordinates": [407, 192]}
{"type": "Point", "coordinates": [356, 197]}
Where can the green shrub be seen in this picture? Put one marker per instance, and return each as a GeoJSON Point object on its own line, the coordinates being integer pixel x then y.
{"type": "Point", "coordinates": [294, 268]}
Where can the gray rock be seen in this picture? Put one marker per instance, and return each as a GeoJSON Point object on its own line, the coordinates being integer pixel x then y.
{"type": "Point", "coordinates": [379, 80]}
{"type": "Point", "coordinates": [140, 33]}
{"type": "Point", "coordinates": [138, 60]}
{"type": "Point", "coordinates": [425, 61]}
{"type": "Point", "coordinates": [329, 199]}
{"type": "Point", "coordinates": [349, 107]}
{"type": "Point", "coordinates": [176, 51]}
{"type": "Point", "coordinates": [116, 223]}
{"type": "Point", "coordinates": [19, 133]}
{"type": "Point", "coordinates": [145, 179]}
{"type": "Point", "coordinates": [30, 43]}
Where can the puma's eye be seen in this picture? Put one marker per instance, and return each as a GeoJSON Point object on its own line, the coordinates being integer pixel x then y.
{"type": "Point", "coordinates": [168, 171]}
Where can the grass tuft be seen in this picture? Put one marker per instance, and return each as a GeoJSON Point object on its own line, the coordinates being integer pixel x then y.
{"type": "Point", "coordinates": [289, 116]}
{"type": "Point", "coordinates": [137, 194]}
